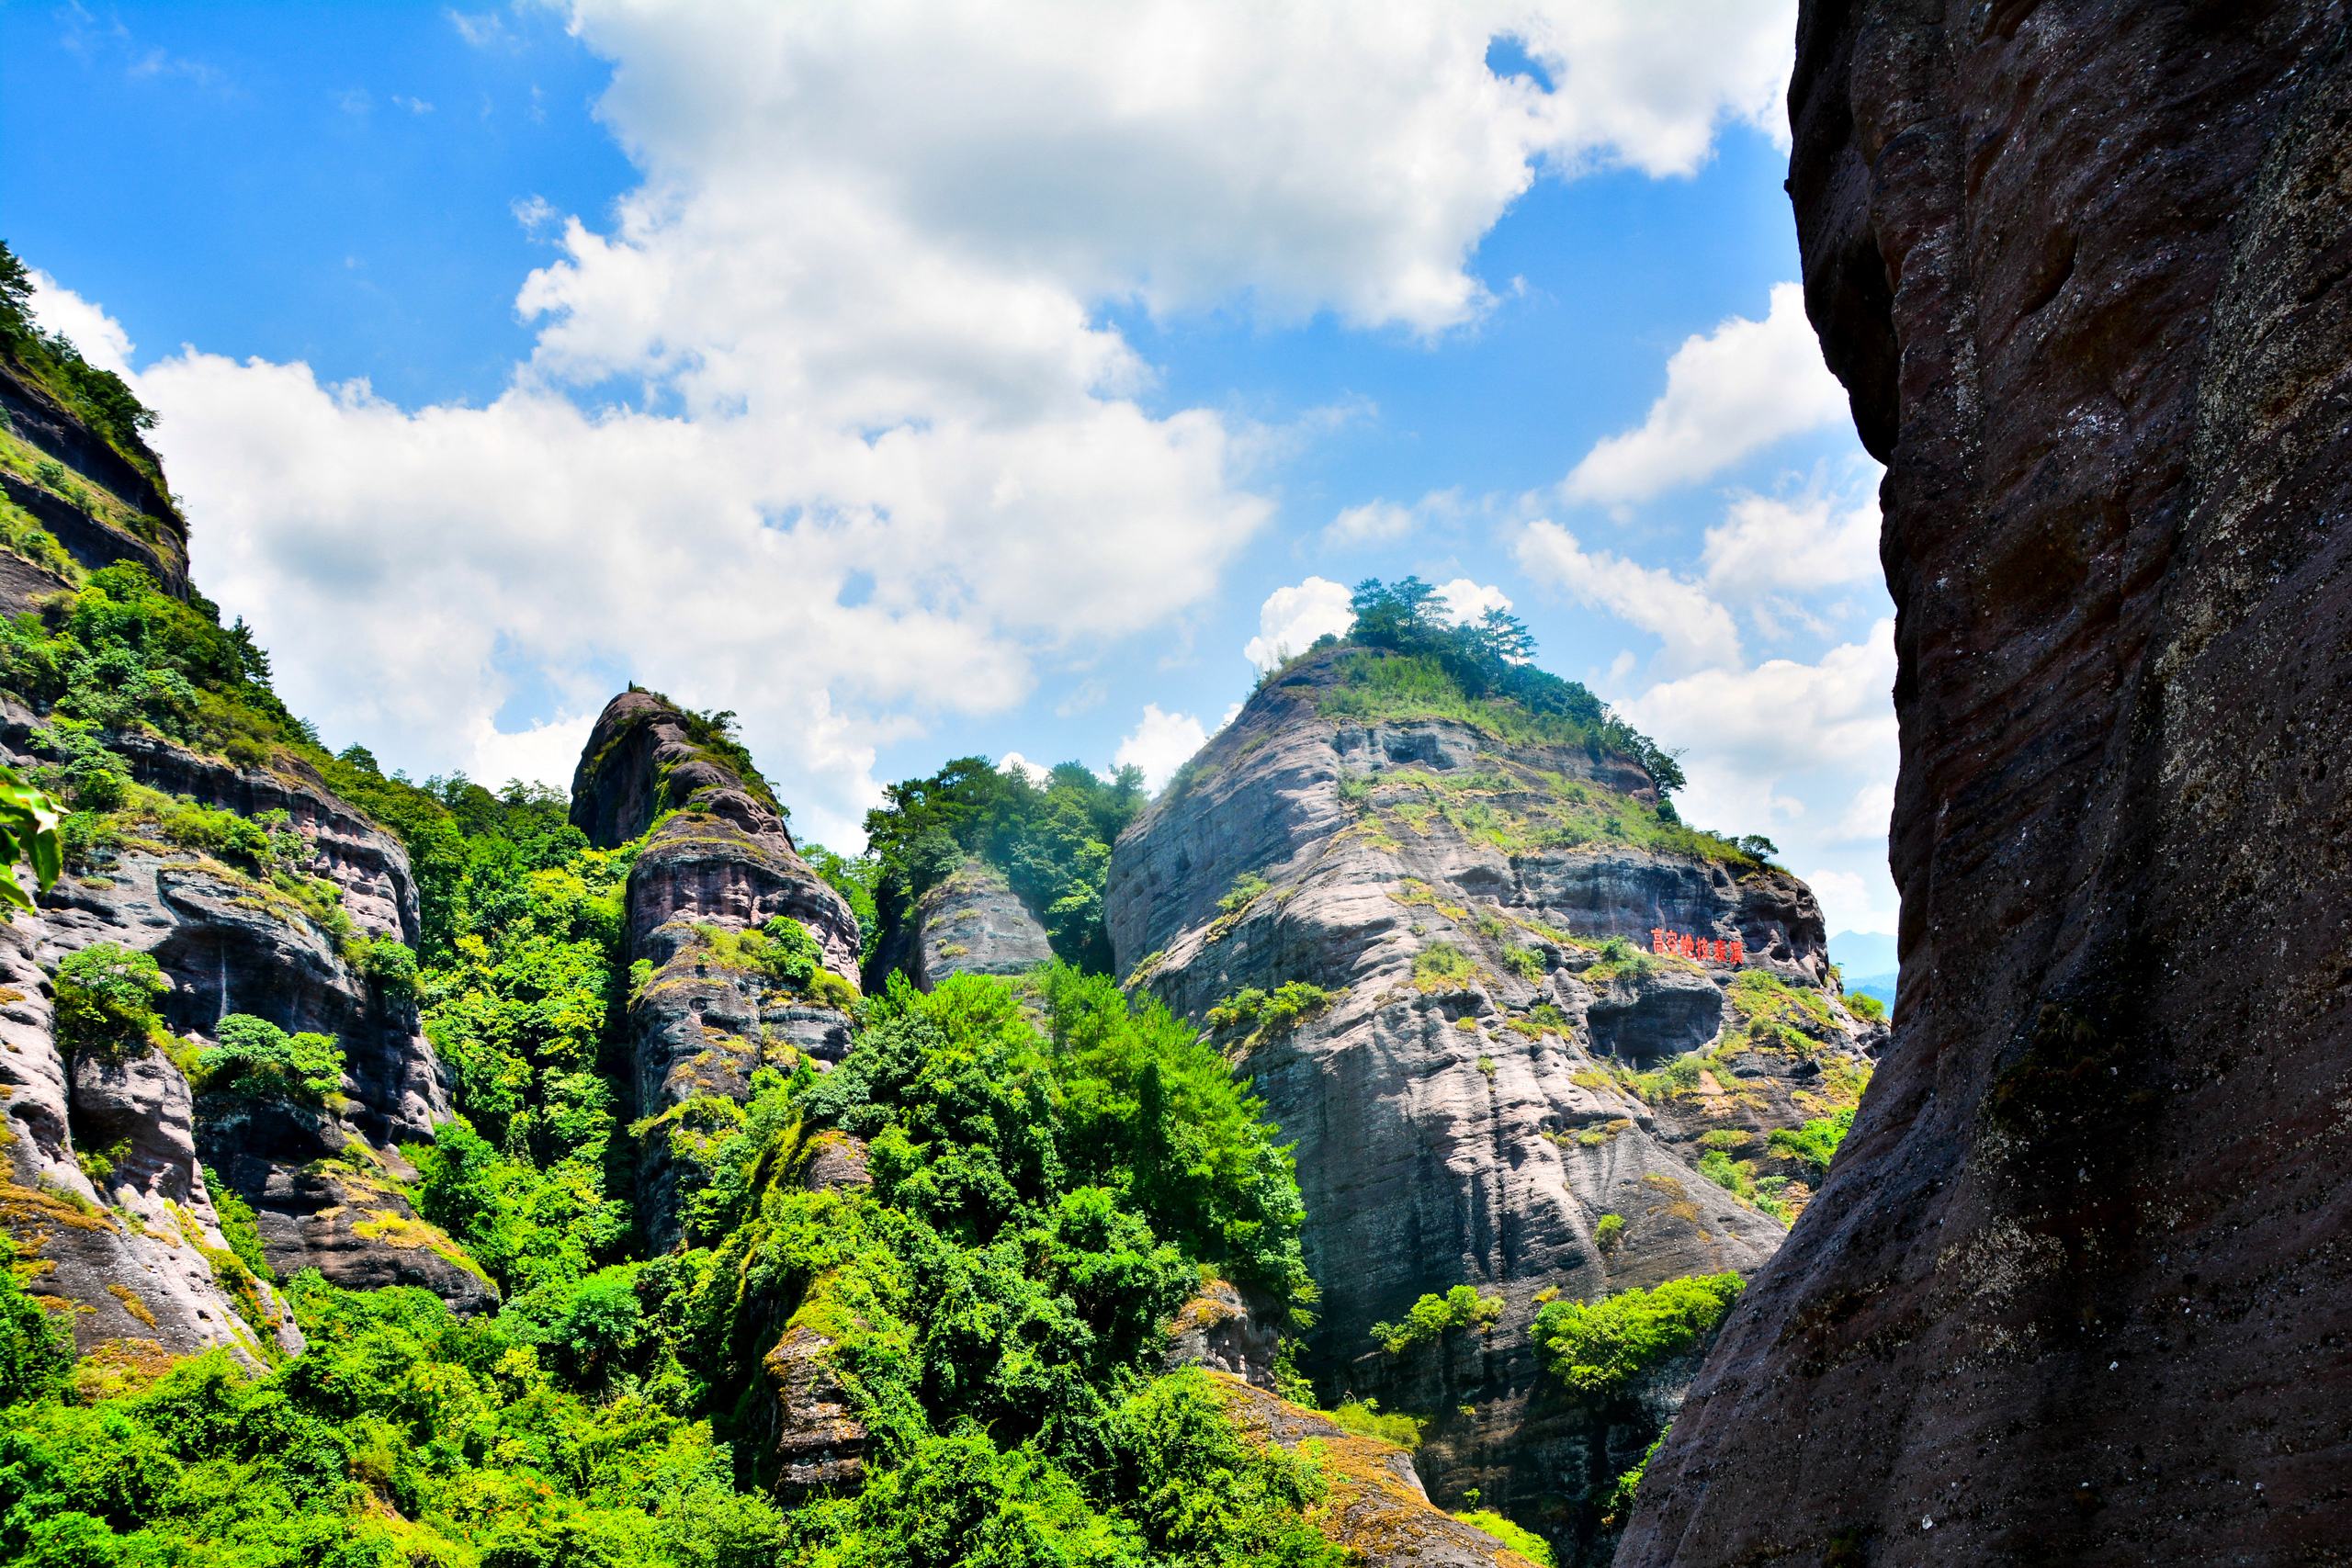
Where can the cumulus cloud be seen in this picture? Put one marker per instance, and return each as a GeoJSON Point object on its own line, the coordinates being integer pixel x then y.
{"type": "Point", "coordinates": [1756, 742]}
{"type": "Point", "coordinates": [99, 335]}
{"type": "Point", "coordinates": [1293, 618]}
{"type": "Point", "coordinates": [1160, 744]}
{"type": "Point", "coordinates": [1816, 538]}
{"type": "Point", "coordinates": [1187, 152]}
{"type": "Point", "coordinates": [1379, 522]}
{"type": "Point", "coordinates": [1782, 716]}
{"type": "Point", "coordinates": [1014, 762]}
{"type": "Point", "coordinates": [886, 449]}
{"type": "Point", "coordinates": [1692, 629]}
{"type": "Point", "coordinates": [1465, 601]}
{"type": "Point", "coordinates": [1375, 523]}
{"type": "Point", "coordinates": [1728, 392]}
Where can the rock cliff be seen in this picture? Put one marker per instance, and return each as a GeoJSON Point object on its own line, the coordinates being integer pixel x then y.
{"type": "Point", "coordinates": [72, 501]}
{"type": "Point", "coordinates": [1474, 1073]}
{"type": "Point", "coordinates": [108, 1196]}
{"type": "Point", "coordinates": [2075, 1291]}
{"type": "Point", "coordinates": [972, 923]}
{"type": "Point", "coordinates": [718, 861]}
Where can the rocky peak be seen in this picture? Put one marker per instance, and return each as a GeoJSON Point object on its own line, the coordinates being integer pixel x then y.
{"type": "Point", "coordinates": [717, 864]}
{"type": "Point", "coordinates": [1417, 925]}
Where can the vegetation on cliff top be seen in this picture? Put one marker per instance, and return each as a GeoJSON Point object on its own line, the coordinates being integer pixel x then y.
{"type": "Point", "coordinates": [1596, 1349]}
{"type": "Point", "coordinates": [99, 399]}
{"type": "Point", "coordinates": [1051, 840]}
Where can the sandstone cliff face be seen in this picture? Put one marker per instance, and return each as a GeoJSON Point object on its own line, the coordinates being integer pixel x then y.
{"type": "Point", "coordinates": [96, 506]}
{"type": "Point", "coordinates": [1464, 1107]}
{"type": "Point", "coordinates": [138, 1248]}
{"type": "Point", "coordinates": [2075, 1291]}
{"type": "Point", "coordinates": [973, 923]}
{"type": "Point", "coordinates": [721, 863]}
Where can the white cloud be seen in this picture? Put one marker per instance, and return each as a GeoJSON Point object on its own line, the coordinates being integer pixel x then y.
{"type": "Point", "coordinates": [1021, 767]}
{"type": "Point", "coordinates": [1465, 601]}
{"type": "Point", "coordinates": [1781, 715]}
{"type": "Point", "coordinates": [1816, 538]}
{"type": "Point", "coordinates": [99, 335]}
{"type": "Point", "coordinates": [1375, 523]}
{"type": "Point", "coordinates": [889, 452]}
{"type": "Point", "coordinates": [1293, 618]}
{"type": "Point", "coordinates": [1850, 903]}
{"type": "Point", "coordinates": [1758, 744]}
{"type": "Point", "coordinates": [1738, 388]}
{"type": "Point", "coordinates": [1378, 523]}
{"type": "Point", "coordinates": [1187, 152]}
{"type": "Point", "coordinates": [545, 753]}
{"type": "Point", "coordinates": [1694, 630]}
{"type": "Point", "coordinates": [1867, 816]}
{"type": "Point", "coordinates": [1160, 744]}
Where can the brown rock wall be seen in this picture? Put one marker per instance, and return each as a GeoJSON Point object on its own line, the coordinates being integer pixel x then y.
{"type": "Point", "coordinates": [2075, 1291]}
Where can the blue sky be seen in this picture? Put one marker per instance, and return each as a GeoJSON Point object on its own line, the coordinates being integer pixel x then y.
{"type": "Point", "coordinates": [917, 384]}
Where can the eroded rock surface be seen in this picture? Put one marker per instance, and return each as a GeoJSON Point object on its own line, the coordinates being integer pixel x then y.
{"type": "Point", "coordinates": [720, 863]}
{"type": "Point", "coordinates": [96, 505]}
{"type": "Point", "coordinates": [2075, 1291]}
{"type": "Point", "coordinates": [1375, 1505]}
{"type": "Point", "coordinates": [1463, 1106]}
{"type": "Point", "coordinates": [972, 923]}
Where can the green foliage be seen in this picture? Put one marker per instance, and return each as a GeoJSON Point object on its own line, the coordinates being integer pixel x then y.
{"type": "Point", "coordinates": [119, 653]}
{"type": "Point", "coordinates": [523, 1013]}
{"type": "Point", "coordinates": [255, 1058]}
{"type": "Point", "coordinates": [1269, 1015]}
{"type": "Point", "coordinates": [106, 1000]}
{"type": "Point", "coordinates": [29, 838]}
{"type": "Point", "coordinates": [1595, 1349]}
{"type": "Point", "coordinates": [1442, 966]}
{"type": "Point", "coordinates": [1527, 962]}
{"type": "Point", "coordinates": [404, 1434]}
{"type": "Point", "coordinates": [1518, 1538]}
{"type": "Point", "coordinates": [1618, 1504]}
{"type": "Point", "coordinates": [1051, 843]}
{"type": "Point", "coordinates": [1814, 1143]}
{"type": "Point", "coordinates": [1432, 1317]}
{"type": "Point", "coordinates": [853, 880]}
{"type": "Point", "coordinates": [1864, 1006]}
{"type": "Point", "coordinates": [238, 1227]}
{"type": "Point", "coordinates": [36, 1347]}
{"type": "Point", "coordinates": [1365, 1416]}
{"type": "Point", "coordinates": [1607, 1231]}
{"type": "Point", "coordinates": [100, 398]}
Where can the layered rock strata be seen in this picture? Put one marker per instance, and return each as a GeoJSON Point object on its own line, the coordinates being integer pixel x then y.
{"type": "Point", "coordinates": [94, 505]}
{"type": "Point", "coordinates": [718, 861]}
{"type": "Point", "coordinates": [108, 1154]}
{"type": "Point", "coordinates": [2075, 1291]}
{"type": "Point", "coordinates": [1468, 1097]}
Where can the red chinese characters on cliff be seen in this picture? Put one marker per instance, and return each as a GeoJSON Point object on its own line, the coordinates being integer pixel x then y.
{"type": "Point", "coordinates": [1698, 949]}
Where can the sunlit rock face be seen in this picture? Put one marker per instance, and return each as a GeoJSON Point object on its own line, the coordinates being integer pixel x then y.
{"type": "Point", "coordinates": [1463, 1103]}
{"type": "Point", "coordinates": [719, 861]}
{"type": "Point", "coordinates": [2075, 1291]}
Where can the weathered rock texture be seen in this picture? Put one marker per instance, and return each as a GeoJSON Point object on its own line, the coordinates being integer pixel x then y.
{"type": "Point", "coordinates": [2077, 1291]}
{"type": "Point", "coordinates": [1475, 1128]}
{"type": "Point", "coordinates": [720, 861]}
{"type": "Point", "coordinates": [96, 506]}
{"type": "Point", "coordinates": [972, 923]}
{"type": "Point", "coordinates": [1374, 1504]}
{"type": "Point", "coordinates": [1225, 1330]}
{"type": "Point", "coordinates": [320, 1179]}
